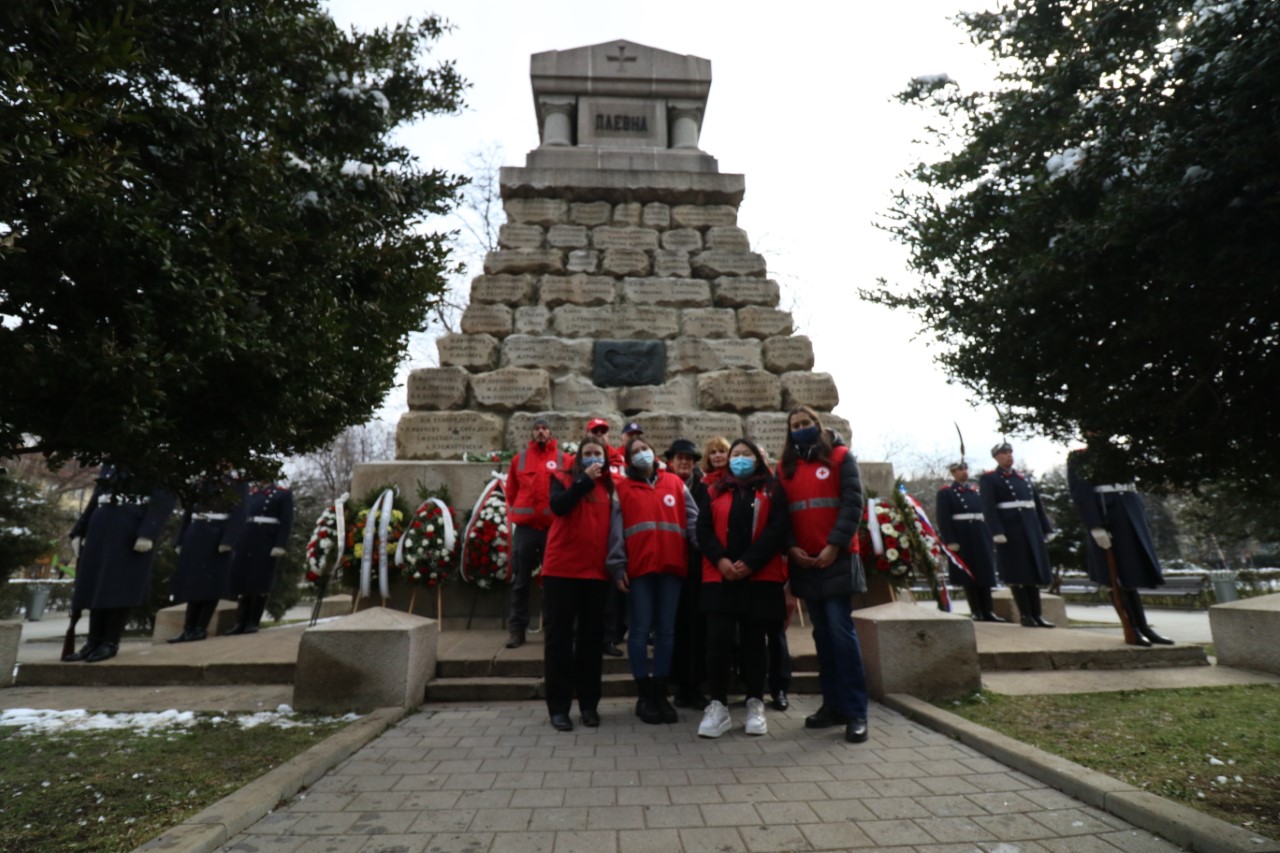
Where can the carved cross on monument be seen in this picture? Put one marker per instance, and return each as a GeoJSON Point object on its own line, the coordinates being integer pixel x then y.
{"type": "Point", "coordinates": [622, 59]}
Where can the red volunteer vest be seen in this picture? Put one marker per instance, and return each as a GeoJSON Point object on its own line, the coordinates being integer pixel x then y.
{"type": "Point", "coordinates": [528, 487]}
{"type": "Point", "coordinates": [579, 542]}
{"type": "Point", "coordinates": [814, 496]}
{"type": "Point", "coordinates": [775, 570]}
{"type": "Point", "coordinates": [653, 525]}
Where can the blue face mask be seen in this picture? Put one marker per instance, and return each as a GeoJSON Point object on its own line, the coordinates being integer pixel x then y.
{"type": "Point", "coordinates": [808, 435]}
{"type": "Point", "coordinates": [589, 460]}
{"type": "Point", "coordinates": [642, 459]}
{"type": "Point", "coordinates": [742, 466]}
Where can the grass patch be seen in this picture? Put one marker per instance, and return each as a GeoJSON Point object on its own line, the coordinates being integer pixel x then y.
{"type": "Point", "coordinates": [116, 790]}
{"type": "Point", "coordinates": [1216, 749]}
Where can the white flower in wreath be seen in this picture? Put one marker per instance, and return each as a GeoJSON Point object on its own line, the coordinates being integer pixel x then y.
{"type": "Point", "coordinates": [887, 529]}
{"type": "Point", "coordinates": [891, 554]}
{"type": "Point", "coordinates": [899, 570]}
{"type": "Point", "coordinates": [431, 528]}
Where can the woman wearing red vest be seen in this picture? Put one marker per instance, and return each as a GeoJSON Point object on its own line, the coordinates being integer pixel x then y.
{"type": "Point", "coordinates": [742, 533]}
{"type": "Point", "coordinates": [574, 584]}
{"type": "Point", "coordinates": [824, 493]}
{"type": "Point", "coordinates": [654, 519]}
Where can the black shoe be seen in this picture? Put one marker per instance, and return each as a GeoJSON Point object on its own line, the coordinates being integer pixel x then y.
{"type": "Point", "coordinates": [250, 629]}
{"type": "Point", "coordinates": [856, 731]}
{"type": "Point", "coordinates": [590, 717]}
{"type": "Point", "coordinates": [612, 650]}
{"type": "Point", "coordinates": [561, 722]}
{"type": "Point", "coordinates": [824, 718]}
{"type": "Point", "coordinates": [186, 635]}
{"type": "Point", "coordinates": [693, 700]}
{"type": "Point", "coordinates": [516, 641]}
{"type": "Point", "coordinates": [102, 652]}
{"type": "Point", "coordinates": [85, 651]}
{"type": "Point", "coordinates": [1154, 637]}
{"type": "Point", "coordinates": [238, 629]}
{"type": "Point", "coordinates": [1041, 623]}
{"type": "Point", "coordinates": [989, 616]}
{"type": "Point", "coordinates": [646, 707]}
{"type": "Point", "coordinates": [780, 701]}
{"type": "Point", "coordinates": [663, 703]}
{"type": "Point", "coordinates": [1142, 641]}
{"type": "Point", "coordinates": [1028, 622]}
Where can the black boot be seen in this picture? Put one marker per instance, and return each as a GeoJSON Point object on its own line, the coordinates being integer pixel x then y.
{"type": "Point", "coordinates": [646, 709]}
{"type": "Point", "coordinates": [1133, 602]}
{"type": "Point", "coordinates": [244, 614]}
{"type": "Point", "coordinates": [255, 615]}
{"type": "Point", "coordinates": [660, 700]}
{"type": "Point", "coordinates": [1033, 597]}
{"type": "Point", "coordinates": [986, 604]}
{"type": "Point", "coordinates": [92, 641]}
{"type": "Point", "coordinates": [1025, 617]}
{"type": "Point", "coordinates": [189, 621]}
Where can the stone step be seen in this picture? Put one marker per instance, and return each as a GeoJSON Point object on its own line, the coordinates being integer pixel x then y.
{"type": "Point", "coordinates": [1122, 657]}
{"type": "Point", "coordinates": [497, 689]}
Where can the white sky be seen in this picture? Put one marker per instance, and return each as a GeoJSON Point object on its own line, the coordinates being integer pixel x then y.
{"type": "Point", "coordinates": [802, 104]}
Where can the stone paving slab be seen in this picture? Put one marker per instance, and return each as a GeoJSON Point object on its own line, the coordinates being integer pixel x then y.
{"type": "Point", "coordinates": [496, 777]}
{"type": "Point", "coordinates": [1061, 682]}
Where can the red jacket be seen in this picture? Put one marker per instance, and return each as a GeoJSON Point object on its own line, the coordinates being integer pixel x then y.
{"type": "Point", "coordinates": [655, 522]}
{"type": "Point", "coordinates": [814, 501]}
{"type": "Point", "coordinates": [528, 487]}
{"type": "Point", "coordinates": [579, 540]}
{"type": "Point", "coordinates": [720, 502]}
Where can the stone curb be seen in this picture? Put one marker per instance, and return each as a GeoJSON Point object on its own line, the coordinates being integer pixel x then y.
{"type": "Point", "coordinates": [210, 829]}
{"type": "Point", "coordinates": [1175, 823]}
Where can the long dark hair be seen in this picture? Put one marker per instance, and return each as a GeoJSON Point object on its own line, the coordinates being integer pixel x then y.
{"type": "Point", "coordinates": [760, 478]}
{"type": "Point", "coordinates": [606, 479]}
{"type": "Point", "coordinates": [821, 448]}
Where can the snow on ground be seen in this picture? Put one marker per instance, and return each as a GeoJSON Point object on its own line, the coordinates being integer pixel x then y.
{"type": "Point", "coordinates": [31, 721]}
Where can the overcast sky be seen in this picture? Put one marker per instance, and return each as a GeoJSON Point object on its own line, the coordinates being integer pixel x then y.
{"type": "Point", "coordinates": [802, 104]}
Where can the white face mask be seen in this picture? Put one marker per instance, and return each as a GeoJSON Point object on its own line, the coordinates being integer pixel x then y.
{"type": "Point", "coordinates": [642, 459]}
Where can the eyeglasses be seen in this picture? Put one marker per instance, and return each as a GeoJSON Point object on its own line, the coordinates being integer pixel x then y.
{"type": "Point", "coordinates": [600, 431]}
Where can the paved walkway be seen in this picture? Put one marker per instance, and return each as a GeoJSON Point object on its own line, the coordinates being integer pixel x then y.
{"type": "Point", "coordinates": [497, 778]}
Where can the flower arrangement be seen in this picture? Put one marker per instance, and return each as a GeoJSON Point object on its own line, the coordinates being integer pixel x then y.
{"type": "Point", "coordinates": [896, 533]}
{"type": "Point", "coordinates": [499, 457]}
{"type": "Point", "coordinates": [485, 560]}
{"type": "Point", "coordinates": [369, 548]}
{"type": "Point", "coordinates": [324, 545]}
{"type": "Point", "coordinates": [426, 550]}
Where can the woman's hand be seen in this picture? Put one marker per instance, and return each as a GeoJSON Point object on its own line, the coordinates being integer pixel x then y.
{"type": "Point", "coordinates": [593, 471]}
{"type": "Point", "coordinates": [800, 557]}
{"type": "Point", "coordinates": [826, 556]}
{"type": "Point", "coordinates": [622, 585]}
{"type": "Point", "coordinates": [725, 565]}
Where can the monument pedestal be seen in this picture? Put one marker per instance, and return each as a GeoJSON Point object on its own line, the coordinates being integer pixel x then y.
{"type": "Point", "coordinates": [920, 651]}
{"type": "Point", "coordinates": [169, 621]}
{"type": "Point", "coordinates": [10, 639]}
{"type": "Point", "coordinates": [1244, 633]}
{"type": "Point", "coordinates": [1052, 607]}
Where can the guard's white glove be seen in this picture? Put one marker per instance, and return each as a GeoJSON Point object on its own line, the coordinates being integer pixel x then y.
{"type": "Point", "coordinates": [277, 552]}
{"type": "Point", "coordinates": [954, 546]}
{"type": "Point", "coordinates": [76, 542]}
{"type": "Point", "coordinates": [1000, 539]}
{"type": "Point", "coordinates": [223, 549]}
{"type": "Point", "coordinates": [143, 545]}
{"type": "Point", "coordinates": [177, 549]}
{"type": "Point", "coordinates": [1102, 537]}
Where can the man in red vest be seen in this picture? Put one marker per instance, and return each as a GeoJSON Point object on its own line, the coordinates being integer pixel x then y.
{"type": "Point", "coordinates": [529, 516]}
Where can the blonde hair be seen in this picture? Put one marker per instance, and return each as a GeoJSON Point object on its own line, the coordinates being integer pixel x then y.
{"type": "Point", "coordinates": [717, 443]}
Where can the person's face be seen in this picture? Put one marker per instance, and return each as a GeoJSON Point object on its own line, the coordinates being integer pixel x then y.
{"type": "Point", "coordinates": [601, 432]}
{"type": "Point", "coordinates": [638, 445]}
{"type": "Point", "coordinates": [718, 457]}
{"type": "Point", "coordinates": [542, 434]}
{"type": "Point", "coordinates": [743, 451]}
{"type": "Point", "coordinates": [682, 465]}
{"type": "Point", "coordinates": [800, 420]}
{"type": "Point", "coordinates": [591, 454]}
{"type": "Point", "coordinates": [1004, 458]}
{"type": "Point", "coordinates": [961, 474]}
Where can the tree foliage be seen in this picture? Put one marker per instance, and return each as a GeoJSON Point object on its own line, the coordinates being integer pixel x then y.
{"type": "Point", "coordinates": [210, 244]}
{"type": "Point", "coordinates": [1097, 249]}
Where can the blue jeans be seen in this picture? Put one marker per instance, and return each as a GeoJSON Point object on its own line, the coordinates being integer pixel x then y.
{"type": "Point", "coordinates": [651, 606]}
{"type": "Point", "coordinates": [840, 672]}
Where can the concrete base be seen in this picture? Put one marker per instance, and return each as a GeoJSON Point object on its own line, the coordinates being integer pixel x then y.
{"type": "Point", "coordinates": [170, 620]}
{"type": "Point", "coordinates": [335, 605]}
{"type": "Point", "coordinates": [1052, 607]}
{"type": "Point", "coordinates": [1244, 633]}
{"type": "Point", "coordinates": [10, 639]}
{"type": "Point", "coordinates": [917, 650]}
{"type": "Point", "coordinates": [377, 658]}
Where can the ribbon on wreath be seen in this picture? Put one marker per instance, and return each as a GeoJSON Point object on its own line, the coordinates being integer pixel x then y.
{"type": "Point", "coordinates": [873, 527]}
{"type": "Point", "coordinates": [450, 533]}
{"type": "Point", "coordinates": [381, 509]}
{"type": "Point", "coordinates": [499, 481]}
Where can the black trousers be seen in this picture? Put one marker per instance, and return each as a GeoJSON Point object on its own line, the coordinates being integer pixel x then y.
{"type": "Point", "coordinates": [722, 628]}
{"type": "Point", "coordinates": [573, 613]}
{"type": "Point", "coordinates": [527, 548]}
{"type": "Point", "coordinates": [689, 665]}
{"type": "Point", "coordinates": [779, 656]}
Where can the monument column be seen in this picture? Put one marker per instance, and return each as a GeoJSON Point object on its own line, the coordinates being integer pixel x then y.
{"type": "Point", "coordinates": [686, 124]}
{"type": "Point", "coordinates": [557, 120]}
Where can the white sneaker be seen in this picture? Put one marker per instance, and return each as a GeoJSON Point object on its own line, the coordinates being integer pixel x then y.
{"type": "Point", "coordinates": [756, 723]}
{"type": "Point", "coordinates": [715, 720]}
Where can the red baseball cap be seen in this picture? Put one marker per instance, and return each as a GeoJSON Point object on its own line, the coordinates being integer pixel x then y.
{"type": "Point", "coordinates": [596, 423]}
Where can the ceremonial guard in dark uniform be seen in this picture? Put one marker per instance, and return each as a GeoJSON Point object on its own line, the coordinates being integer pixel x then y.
{"type": "Point", "coordinates": [211, 525]}
{"type": "Point", "coordinates": [1117, 522]}
{"type": "Point", "coordinates": [964, 530]}
{"type": "Point", "coordinates": [253, 569]}
{"type": "Point", "coordinates": [1018, 524]}
{"type": "Point", "coordinates": [117, 533]}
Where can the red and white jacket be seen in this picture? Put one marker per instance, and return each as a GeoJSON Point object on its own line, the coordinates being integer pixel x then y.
{"type": "Point", "coordinates": [528, 487]}
{"type": "Point", "coordinates": [578, 542]}
{"type": "Point", "coordinates": [719, 503]}
{"type": "Point", "coordinates": [814, 500]}
{"type": "Point", "coordinates": [653, 522]}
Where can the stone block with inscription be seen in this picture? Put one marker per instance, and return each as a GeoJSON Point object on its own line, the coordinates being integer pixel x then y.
{"type": "Point", "coordinates": [678, 395]}
{"type": "Point", "coordinates": [685, 355]}
{"type": "Point", "coordinates": [627, 213]}
{"type": "Point", "coordinates": [567, 237]}
{"type": "Point", "coordinates": [656, 215]}
{"type": "Point", "coordinates": [662, 428]}
{"type": "Point", "coordinates": [590, 213]}
{"type": "Point", "coordinates": [531, 319]}
{"type": "Point", "coordinates": [669, 292]}
{"type": "Point", "coordinates": [718, 262]}
{"type": "Point", "coordinates": [447, 435]}
{"type": "Point", "coordinates": [482, 319]}
{"type": "Point", "coordinates": [511, 388]}
{"type": "Point", "coordinates": [577, 290]}
{"type": "Point", "coordinates": [557, 355]}
{"type": "Point", "coordinates": [709, 323]}
{"type": "Point", "coordinates": [682, 240]}
{"type": "Point", "coordinates": [474, 352]}
{"type": "Point", "coordinates": [703, 216]}
{"type": "Point", "coordinates": [583, 260]}
{"type": "Point", "coordinates": [769, 431]}
{"type": "Point", "coordinates": [613, 237]}
{"type": "Point", "coordinates": [625, 262]}
{"type": "Point", "coordinates": [565, 426]}
{"type": "Point", "coordinates": [786, 353]}
{"type": "Point", "coordinates": [523, 261]}
{"type": "Point", "coordinates": [624, 321]}
{"type": "Point", "coordinates": [514, 236]}
{"type": "Point", "coordinates": [739, 391]}
{"type": "Point", "coordinates": [438, 388]}
{"type": "Point", "coordinates": [806, 388]}
{"type": "Point", "coordinates": [668, 264]}
{"type": "Point", "coordinates": [576, 393]}
{"type": "Point", "coordinates": [755, 321]}
{"type": "Point", "coordinates": [502, 289]}
{"type": "Point", "coordinates": [536, 211]}
{"type": "Point", "coordinates": [625, 362]}
{"type": "Point", "coordinates": [727, 237]}
{"type": "Point", "coordinates": [737, 292]}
